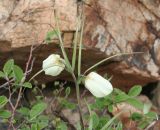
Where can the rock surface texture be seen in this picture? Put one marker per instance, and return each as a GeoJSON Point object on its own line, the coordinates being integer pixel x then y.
{"type": "Point", "coordinates": [111, 27]}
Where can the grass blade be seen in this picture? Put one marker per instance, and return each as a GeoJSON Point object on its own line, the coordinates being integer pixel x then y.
{"type": "Point", "coordinates": [105, 127]}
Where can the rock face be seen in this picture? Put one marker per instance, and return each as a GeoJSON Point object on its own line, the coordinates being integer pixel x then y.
{"type": "Point", "coordinates": [26, 22]}
{"type": "Point", "coordinates": [126, 26]}
{"type": "Point", "coordinates": [111, 27]}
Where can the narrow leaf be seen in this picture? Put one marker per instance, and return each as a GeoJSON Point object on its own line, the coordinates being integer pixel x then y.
{"type": "Point", "coordinates": [135, 91]}
{"type": "Point", "coordinates": [105, 127]}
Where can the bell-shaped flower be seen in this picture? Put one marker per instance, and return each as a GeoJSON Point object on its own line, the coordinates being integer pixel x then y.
{"type": "Point", "coordinates": [53, 65]}
{"type": "Point", "coordinates": [97, 85]}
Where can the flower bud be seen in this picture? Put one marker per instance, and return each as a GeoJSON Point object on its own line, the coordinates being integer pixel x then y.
{"type": "Point", "coordinates": [53, 65]}
{"type": "Point", "coordinates": [97, 85]}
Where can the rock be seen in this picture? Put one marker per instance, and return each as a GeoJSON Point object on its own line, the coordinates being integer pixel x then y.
{"type": "Point", "coordinates": [129, 26]}
{"type": "Point", "coordinates": [156, 96]}
{"type": "Point", "coordinates": [111, 27]}
{"type": "Point", "coordinates": [29, 21]}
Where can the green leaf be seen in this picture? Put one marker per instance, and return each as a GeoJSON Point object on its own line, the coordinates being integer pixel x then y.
{"type": "Point", "coordinates": [67, 91]}
{"type": "Point", "coordinates": [51, 35]}
{"type": "Point", "coordinates": [3, 101]}
{"type": "Point", "coordinates": [135, 102]}
{"type": "Point", "coordinates": [65, 103]}
{"type": "Point", "coordinates": [152, 115]}
{"type": "Point", "coordinates": [24, 111]}
{"type": "Point", "coordinates": [25, 128]}
{"type": "Point", "coordinates": [2, 75]}
{"type": "Point", "coordinates": [146, 108]}
{"type": "Point", "coordinates": [95, 119]}
{"type": "Point", "coordinates": [110, 108]}
{"type": "Point", "coordinates": [8, 67]}
{"type": "Point", "coordinates": [143, 124]}
{"type": "Point", "coordinates": [62, 126]}
{"type": "Point", "coordinates": [136, 116]}
{"type": "Point", "coordinates": [121, 97]}
{"type": "Point", "coordinates": [5, 114]}
{"type": "Point", "coordinates": [27, 85]}
{"type": "Point", "coordinates": [35, 127]}
{"type": "Point", "coordinates": [18, 72]}
{"type": "Point", "coordinates": [105, 127]}
{"type": "Point", "coordinates": [117, 91]}
{"type": "Point", "coordinates": [78, 126]}
{"type": "Point", "coordinates": [37, 110]}
{"type": "Point", "coordinates": [43, 121]}
{"type": "Point", "coordinates": [99, 104]}
{"type": "Point", "coordinates": [91, 119]}
{"type": "Point", "coordinates": [119, 126]}
{"type": "Point", "coordinates": [102, 121]}
{"type": "Point", "coordinates": [135, 91]}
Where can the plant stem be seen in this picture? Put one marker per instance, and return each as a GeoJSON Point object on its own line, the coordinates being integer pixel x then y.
{"type": "Point", "coordinates": [36, 74]}
{"type": "Point", "coordinates": [108, 58]}
{"type": "Point", "coordinates": [78, 100]}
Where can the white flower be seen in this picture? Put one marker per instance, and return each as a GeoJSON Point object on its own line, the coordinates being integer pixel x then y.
{"type": "Point", "coordinates": [53, 65]}
{"type": "Point", "coordinates": [97, 85]}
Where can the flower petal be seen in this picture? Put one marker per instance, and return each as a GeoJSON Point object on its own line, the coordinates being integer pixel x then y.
{"type": "Point", "coordinates": [52, 59]}
{"type": "Point", "coordinates": [54, 71]}
{"type": "Point", "coordinates": [53, 65]}
{"type": "Point", "coordinates": [97, 85]}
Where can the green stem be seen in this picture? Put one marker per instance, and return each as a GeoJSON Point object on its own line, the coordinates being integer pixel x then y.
{"type": "Point", "coordinates": [80, 49]}
{"type": "Point", "coordinates": [75, 47]}
{"type": "Point", "coordinates": [68, 65]}
{"type": "Point", "coordinates": [78, 100]}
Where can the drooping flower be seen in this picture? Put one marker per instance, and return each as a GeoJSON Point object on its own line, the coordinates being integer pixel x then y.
{"type": "Point", "coordinates": [97, 85]}
{"type": "Point", "coordinates": [53, 65]}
